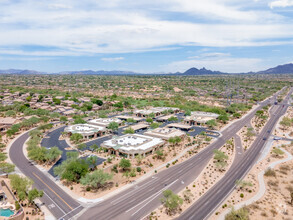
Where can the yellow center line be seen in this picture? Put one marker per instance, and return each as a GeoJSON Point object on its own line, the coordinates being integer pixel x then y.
{"type": "Point", "coordinates": [52, 190]}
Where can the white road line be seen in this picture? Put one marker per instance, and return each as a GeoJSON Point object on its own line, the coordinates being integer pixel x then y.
{"type": "Point", "coordinates": [54, 202]}
{"type": "Point", "coordinates": [70, 212]}
{"type": "Point", "coordinates": [138, 187]}
{"type": "Point", "coordinates": [153, 196]}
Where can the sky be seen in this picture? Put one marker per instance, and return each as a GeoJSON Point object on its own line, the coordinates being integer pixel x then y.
{"type": "Point", "coordinates": [145, 36]}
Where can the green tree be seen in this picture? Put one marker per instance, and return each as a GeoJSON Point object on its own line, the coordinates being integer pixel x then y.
{"type": "Point", "coordinates": [37, 154]}
{"type": "Point", "coordinates": [159, 154]}
{"type": "Point", "coordinates": [94, 147]}
{"type": "Point", "coordinates": [152, 115]}
{"type": "Point", "coordinates": [155, 125]}
{"type": "Point", "coordinates": [113, 126]}
{"type": "Point", "coordinates": [72, 154]}
{"type": "Point", "coordinates": [173, 118]}
{"type": "Point", "coordinates": [81, 147]}
{"type": "Point", "coordinates": [53, 154]}
{"type": "Point", "coordinates": [220, 158]}
{"type": "Point", "coordinates": [76, 137]}
{"type": "Point", "coordinates": [187, 112]}
{"type": "Point", "coordinates": [124, 164]}
{"type": "Point", "coordinates": [240, 214]}
{"type": "Point", "coordinates": [223, 118]}
{"type": "Point", "coordinates": [149, 120]}
{"type": "Point", "coordinates": [7, 167]}
{"type": "Point", "coordinates": [249, 133]}
{"type": "Point", "coordinates": [131, 120]}
{"type": "Point", "coordinates": [96, 179]}
{"type": "Point", "coordinates": [79, 120]}
{"type": "Point", "coordinates": [63, 119]}
{"type": "Point", "coordinates": [129, 131]}
{"type": "Point", "coordinates": [29, 98]}
{"type": "Point", "coordinates": [72, 170]}
{"type": "Point", "coordinates": [2, 156]}
{"type": "Point", "coordinates": [92, 160]}
{"type": "Point", "coordinates": [20, 185]}
{"type": "Point", "coordinates": [211, 123]}
{"type": "Point", "coordinates": [10, 113]}
{"type": "Point", "coordinates": [171, 201]}
{"type": "Point", "coordinates": [33, 194]}
{"type": "Point", "coordinates": [57, 101]}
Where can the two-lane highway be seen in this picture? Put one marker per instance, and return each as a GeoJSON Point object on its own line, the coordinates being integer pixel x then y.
{"type": "Point", "coordinates": [207, 204]}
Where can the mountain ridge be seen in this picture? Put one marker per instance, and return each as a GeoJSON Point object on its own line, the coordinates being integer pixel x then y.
{"type": "Point", "coordinates": [280, 69]}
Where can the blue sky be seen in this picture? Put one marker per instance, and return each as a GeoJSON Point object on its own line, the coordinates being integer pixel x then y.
{"type": "Point", "coordinates": [145, 36]}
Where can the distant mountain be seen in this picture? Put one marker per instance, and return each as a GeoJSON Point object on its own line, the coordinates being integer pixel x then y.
{"type": "Point", "coordinates": [100, 72]}
{"type": "Point", "coordinates": [281, 69]}
{"type": "Point", "coordinates": [23, 72]}
{"type": "Point", "coordinates": [203, 71]}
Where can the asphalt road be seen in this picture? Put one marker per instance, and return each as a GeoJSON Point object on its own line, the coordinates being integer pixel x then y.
{"type": "Point", "coordinates": [142, 198]}
{"type": "Point", "coordinates": [57, 201]}
{"type": "Point", "coordinates": [208, 203]}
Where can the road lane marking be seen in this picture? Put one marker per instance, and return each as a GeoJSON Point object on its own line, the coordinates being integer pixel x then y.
{"type": "Point", "coordinates": [151, 197]}
{"type": "Point", "coordinates": [154, 196]}
{"type": "Point", "coordinates": [52, 190]}
{"type": "Point", "coordinates": [54, 203]}
{"type": "Point", "coordinates": [138, 187]}
{"type": "Point", "coordinates": [69, 212]}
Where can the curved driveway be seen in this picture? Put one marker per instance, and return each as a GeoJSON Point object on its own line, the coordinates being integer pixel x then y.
{"type": "Point", "coordinates": [57, 201]}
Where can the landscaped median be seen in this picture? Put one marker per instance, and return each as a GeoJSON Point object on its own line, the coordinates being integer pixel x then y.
{"type": "Point", "coordinates": [173, 205]}
{"type": "Point", "coordinates": [267, 190]}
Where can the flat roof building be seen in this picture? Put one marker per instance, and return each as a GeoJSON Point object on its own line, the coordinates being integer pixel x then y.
{"type": "Point", "coordinates": [165, 133]}
{"type": "Point", "coordinates": [198, 118]}
{"type": "Point", "coordinates": [88, 131]}
{"type": "Point", "coordinates": [133, 144]}
{"type": "Point", "coordinates": [104, 122]}
{"type": "Point", "coordinates": [156, 111]}
{"type": "Point", "coordinates": [125, 117]}
{"type": "Point", "coordinates": [165, 118]}
{"type": "Point", "coordinates": [179, 126]}
{"type": "Point", "coordinates": [139, 127]}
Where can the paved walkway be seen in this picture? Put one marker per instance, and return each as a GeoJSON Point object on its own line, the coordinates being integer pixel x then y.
{"type": "Point", "coordinates": [262, 185]}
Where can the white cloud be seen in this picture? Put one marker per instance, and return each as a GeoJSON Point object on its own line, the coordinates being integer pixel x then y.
{"type": "Point", "coordinates": [59, 6]}
{"type": "Point", "coordinates": [281, 3]}
{"type": "Point", "coordinates": [111, 59]}
{"type": "Point", "coordinates": [121, 26]}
